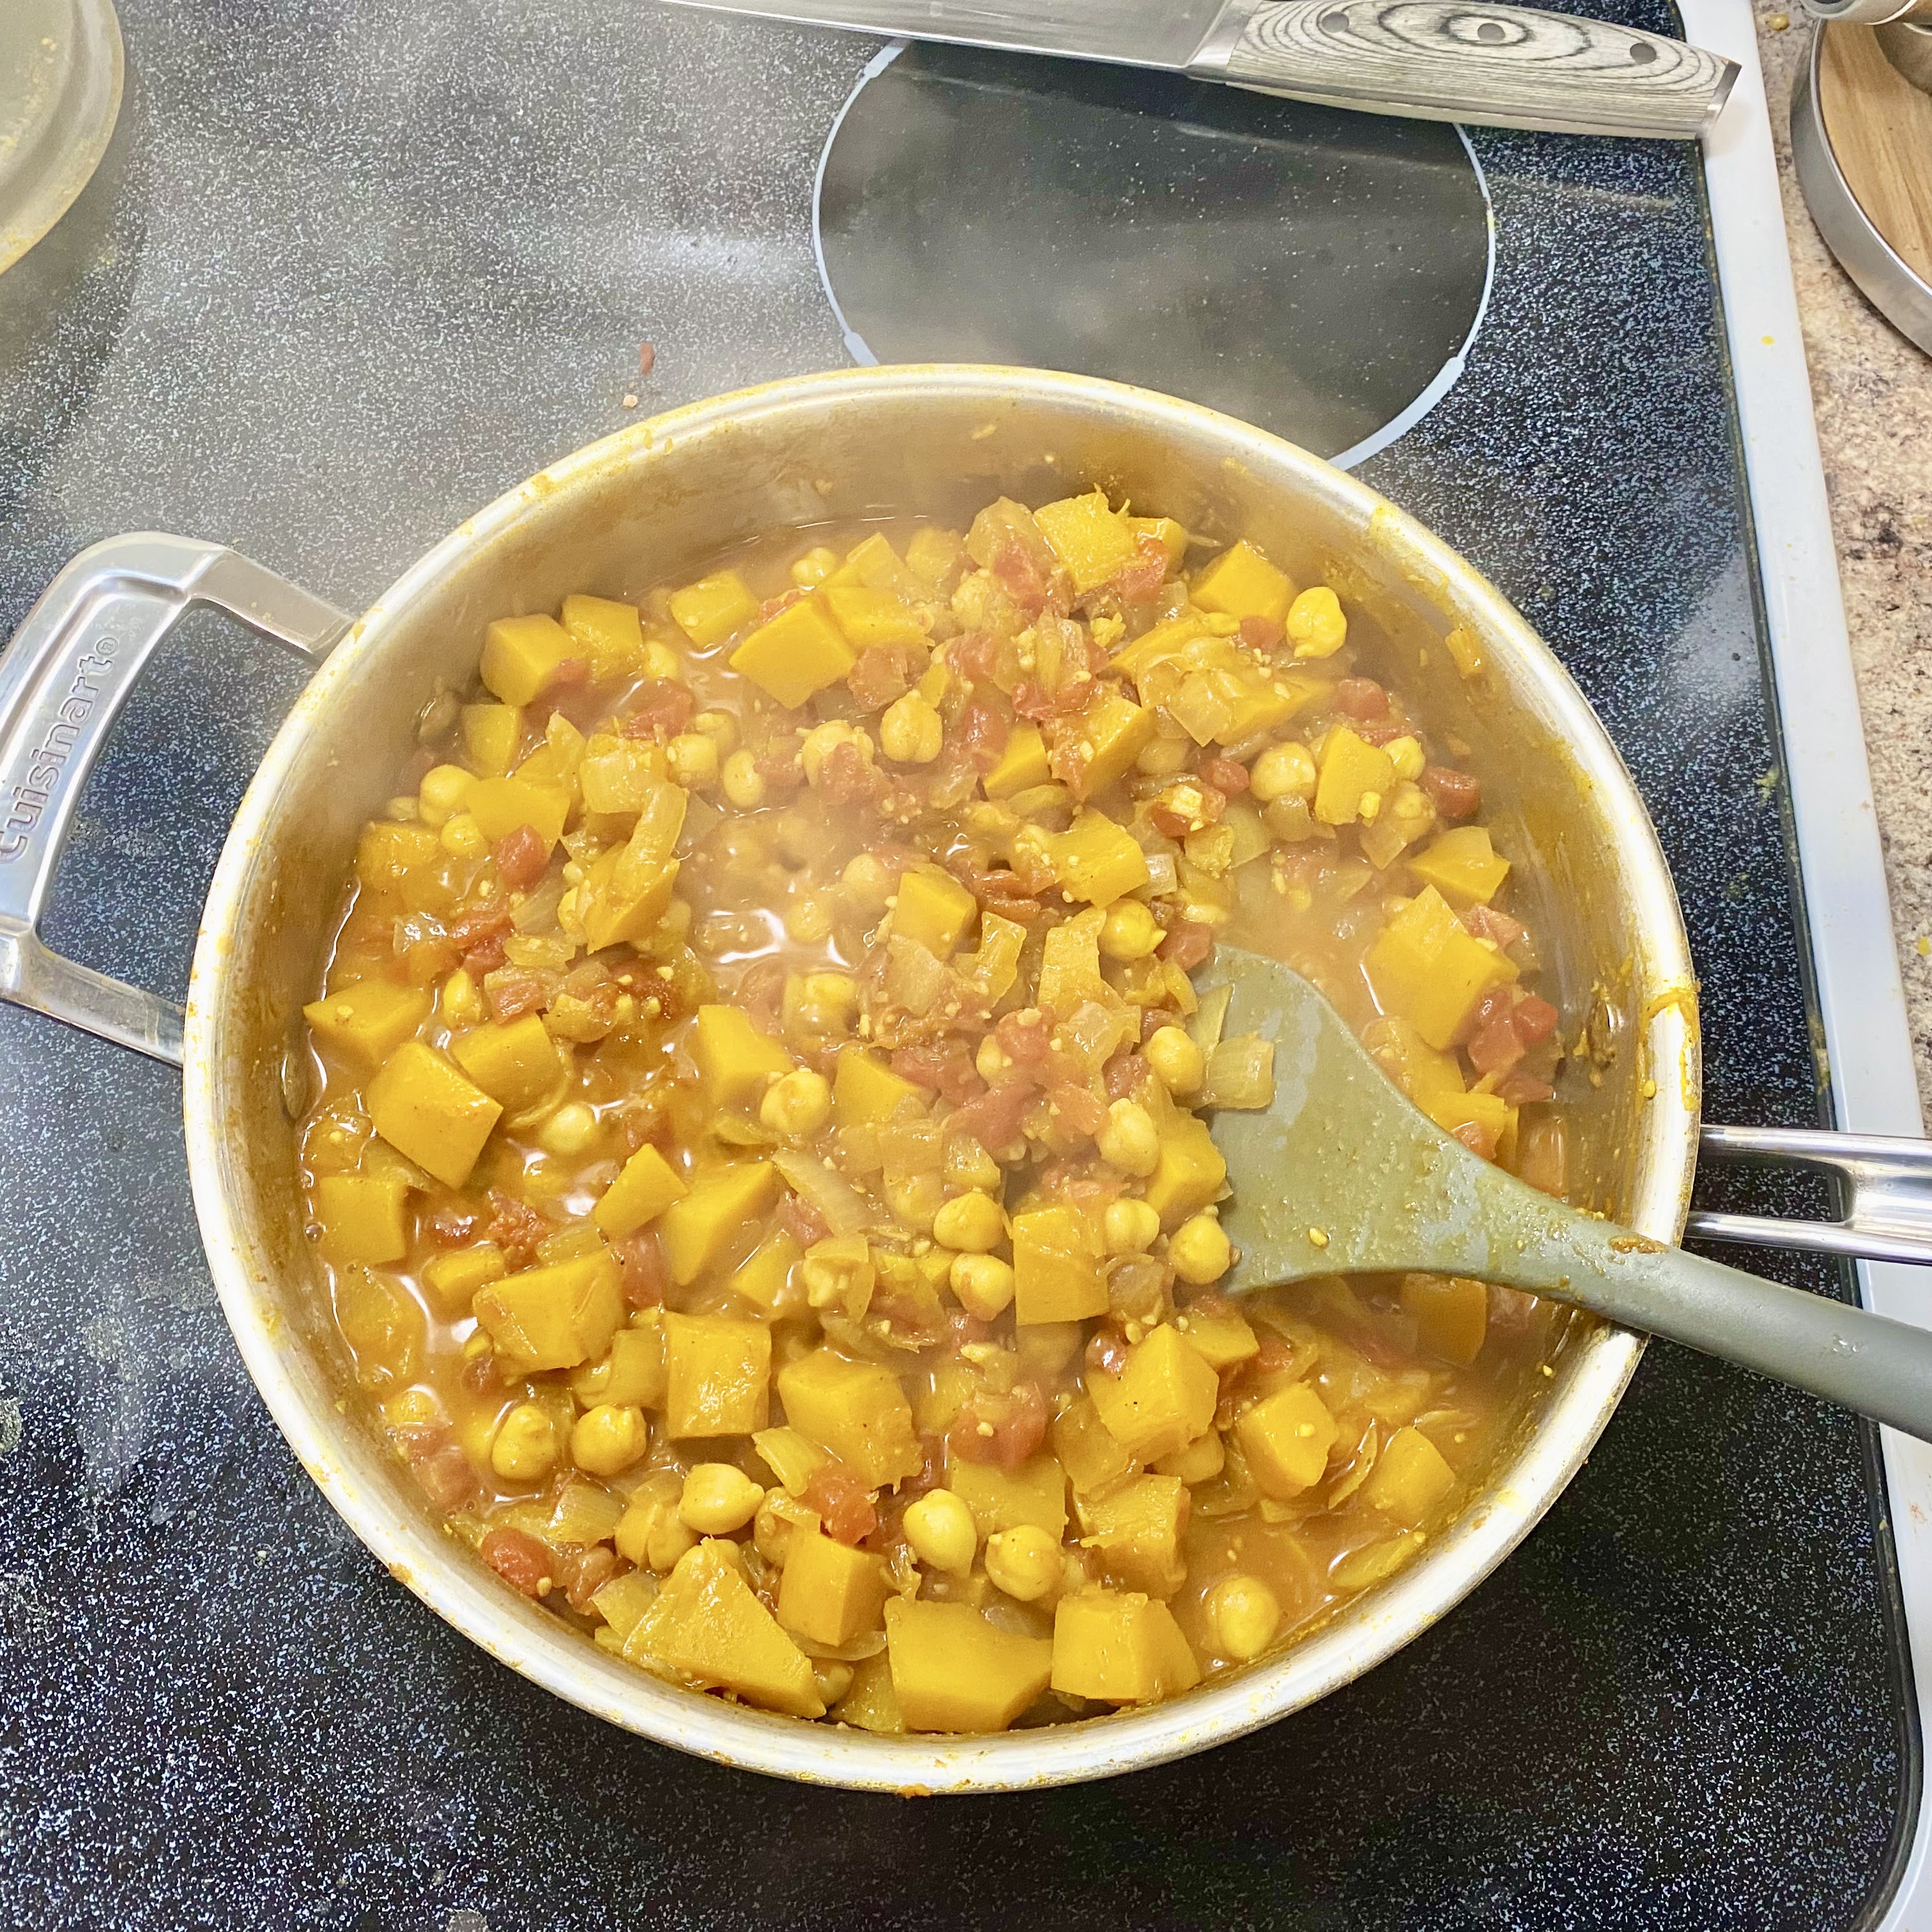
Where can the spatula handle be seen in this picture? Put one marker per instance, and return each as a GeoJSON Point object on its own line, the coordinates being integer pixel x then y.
{"type": "Point", "coordinates": [1467, 60]}
{"type": "Point", "coordinates": [1879, 1368]}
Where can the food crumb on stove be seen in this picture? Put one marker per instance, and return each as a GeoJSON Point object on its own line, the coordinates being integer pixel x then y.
{"type": "Point", "coordinates": [1318, 1238]}
{"type": "Point", "coordinates": [1778, 22]}
{"type": "Point", "coordinates": [630, 401]}
{"type": "Point", "coordinates": [647, 357]}
{"type": "Point", "coordinates": [1925, 946]}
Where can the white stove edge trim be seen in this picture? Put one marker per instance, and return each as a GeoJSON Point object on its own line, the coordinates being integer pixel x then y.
{"type": "Point", "coordinates": [1860, 996]}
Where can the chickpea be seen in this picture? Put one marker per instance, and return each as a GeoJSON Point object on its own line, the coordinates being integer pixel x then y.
{"type": "Point", "coordinates": [1024, 1562]}
{"type": "Point", "coordinates": [1243, 1616]}
{"type": "Point", "coordinates": [972, 1223]}
{"type": "Point", "coordinates": [1282, 771]}
{"type": "Point", "coordinates": [721, 727]}
{"type": "Point", "coordinates": [524, 1447]}
{"type": "Point", "coordinates": [718, 1498]}
{"type": "Point", "coordinates": [1199, 1251]}
{"type": "Point", "coordinates": [942, 1532]}
{"type": "Point", "coordinates": [983, 1284]}
{"type": "Point", "coordinates": [1164, 758]}
{"type": "Point", "coordinates": [911, 733]}
{"type": "Point", "coordinates": [462, 837]}
{"type": "Point", "coordinates": [662, 662]}
{"type": "Point", "coordinates": [991, 1060]}
{"type": "Point", "coordinates": [838, 1271]}
{"type": "Point", "coordinates": [832, 1678]}
{"type": "Point", "coordinates": [823, 739]}
{"type": "Point", "coordinates": [1369, 807]}
{"type": "Point", "coordinates": [796, 1103]}
{"type": "Point", "coordinates": [570, 1130]}
{"type": "Point", "coordinates": [866, 885]}
{"type": "Point", "coordinates": [1129, 1140]}
{"type": "Point", "coordinates": [1130, 932]}
{"type": "Point", "coordinates": [443, 789]}
{"type": "Point", "coordinates": [744, 783]}
{"type": "Point", "coordinates": [778, 1518]}
{"type": "Point", "coordinates": [1315, 623]}
{"type": "Point", "coordinates": [1130, 1227]}
{"type": "Point", "coordinates": [461, 1002]}
{"type": "Point", "coordinates": [1178, 1064]}
{"type": "Point", "coordinates": [605, 1440]}
{"type": "Point", "coordinates": [808, 921]}
{"type": "Point", "coordinates": [1405, 753]}
{"type": "Point", "coordinates": [693, 758]}
{"type": "Point", "coordinates": [915, 1199]}
{"type": "Point", "coordinates": [969, 1165]}
{"type": "Point", "coordinates": [815, 567]}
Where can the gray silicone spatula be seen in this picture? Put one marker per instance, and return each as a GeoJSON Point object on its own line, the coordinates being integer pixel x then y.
{"type": "Point", "coordinates": [1342, 1174]}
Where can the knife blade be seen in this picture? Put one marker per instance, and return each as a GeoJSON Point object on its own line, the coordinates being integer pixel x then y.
{"type": "Point", "coordinates": [1489, 64]}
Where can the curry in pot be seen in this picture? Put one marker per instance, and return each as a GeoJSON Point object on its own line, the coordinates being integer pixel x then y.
{"type": "Point", "coordinates": [763, 1157]}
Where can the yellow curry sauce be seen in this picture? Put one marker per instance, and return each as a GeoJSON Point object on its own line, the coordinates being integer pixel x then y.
{"type": "Point", "coordinates": [763, 1161]}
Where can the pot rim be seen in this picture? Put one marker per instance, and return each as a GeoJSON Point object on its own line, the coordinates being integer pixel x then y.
{"type": "Point", "coordinates": [540, 1646]}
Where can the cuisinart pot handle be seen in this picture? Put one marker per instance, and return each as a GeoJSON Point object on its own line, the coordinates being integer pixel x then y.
{"type": "Point", "coordinates": [1888, 1185]}
{"type": "Point", "coordinates": [63, 680]}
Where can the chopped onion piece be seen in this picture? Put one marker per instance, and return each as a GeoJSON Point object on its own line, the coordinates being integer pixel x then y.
{"type": "Point", "coordinates": [1241, 1072]}
{"type": "Point", "coordinates": [841, 1206]}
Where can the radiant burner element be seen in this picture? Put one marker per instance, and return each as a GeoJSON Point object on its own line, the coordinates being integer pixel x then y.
{"type": "Point", "coordinates": [1318, 273]}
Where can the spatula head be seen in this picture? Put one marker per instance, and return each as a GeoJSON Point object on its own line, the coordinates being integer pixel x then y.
{"type": "Point", "coordinates": [1342, 1174]}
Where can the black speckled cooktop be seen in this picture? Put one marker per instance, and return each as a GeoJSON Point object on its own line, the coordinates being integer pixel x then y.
{"type": "Point", "coordinates": [353, 267]}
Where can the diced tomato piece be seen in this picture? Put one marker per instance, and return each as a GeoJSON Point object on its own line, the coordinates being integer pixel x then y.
{"type": "Point", "coordinates": [520, 858]}
{"type": "Point", "coordinates": [521, 1561]}
{"type": "Point", "coordinates": [1004, 1429]}
{"type": "Point", "coordinates": [1189, 943]}
{"type": "Point", "coordinates": [1361, 697]}
{"type": "Point", "coordinates": [1228, 776]}
{"type": "Point", "coordinates": [665, 708]}
{"type": "Point", "coordinates": [844, 1503]}
{"type": "Point", "coordinates": [1533, 1017]}
{"type": "Point", "coordinates": [1456, 795]}
{"type": "Point", "coordinates": [1261, 633]}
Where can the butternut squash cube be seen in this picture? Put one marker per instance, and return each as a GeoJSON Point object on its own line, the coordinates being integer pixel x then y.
{"type": "Point", "coordinates": [1093, 540]}
{"type": "Point", "coordinates": [800, 651]}
{"type": "Point", "coordinates": [765, 1281]}
{"type": "Point", "coordinates": [1135, 1533]}
{"type": "Point", "coordinates": [1101, 745]}
{"type": "Point", "coordinates": [707, 1627]}
{"type": "Point", "coordinates": [645, 1186]}
{"type": "Point", "coordinates": [735, 1062]}
{"type": "Point", "coordinates": [554, 1317]}
{"type": "Point", "coordinates": [453, 1277]}
{"type": "Point", "coordinates": [1451, 1314]}
{"type": "Point", "coordinates": [717, 1373]}
{"type": "Point", "coordinates": [1190, 1173]}
{"type": "Point", "coordinates": [1428, 968]}
{"type": "Point", "coordinates": [516, 1065]}
{"type": "Point", "coordinates": [865, 1090]}
{"type": "Point", "coordinates": [491, 734]}
{"type": "Point", "coordinates": [610, 634]}
{"type": "Point", "coordinates": [621, 774]}
{"type": "Point", "coordinates": [1286, 1438]}
{"type": "Point", "coordinates": [1057, 1272]}
{"type": "Point", "coordinates": [702, 1225]}
{"type": "Point", "coordinates": [362, 1218]}
{"type": "Point", "coordinates": [874, 563]}
{"type": "Point", "coordinates": [1094, 1462]}
{"type": "Point", "coordinates": [1163, 644]}
{"type": "Point", "coordinates": [1410, 1476]}
{"type": "Point", "coordinates": [1220, 1336]}
{"type": "Point", "coordinates": [1349, 771]}
{"type": "Point", "coordinates": [830, 1593]}
{"type": "Point", "coordinates": [869, 617]}
{"type": "Point", "coordinates": [1001, 1499]}
{"type": "Point", "coordinates": [1097, 859]}
{"type": "Point", "coordinates": [1265, 704]}
{"type": "Point", "coordinates": [1462, 865]}
{"type": "Point", "coordinates": [624, 893]}
{"type": "Point", "coordinates": [1162, 1399]}
{"type": "Point", "coordinates": [933, 908]}
{"type": "Point", "coordinates": [1022, 765]}
{"type": "Point", "coordinates": [1172, 537]}
{"type": "Point", "coordinates": [712, 608]}
{"type": "Point", "coordinates": [430, 1112]}
{"type": "Point", "coordinates": [521, 656]}
{"type": "Point", "coordinates": [500, 806]}
{"type": "Point", "coordinates": [954, 1671]}
{"type": "Point", "coordinates": [1242, 583]}
{"type": "Point", "coordinates": [370, 1019]}
{"type": "Point", "coordinates": [1120, 1648]}
{"type": "Point", "coordinates": [857, 1410]}
{"type": "Point", "coordinates": [386, 854]}
{"type": "Point", "coordinates": [1492, 1120]}
{"type": "Point", "coordinates": [1424, 1074]}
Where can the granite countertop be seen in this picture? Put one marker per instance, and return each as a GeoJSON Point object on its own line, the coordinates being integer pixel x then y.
{"type": "Point", "coordinates": [1873, 391]}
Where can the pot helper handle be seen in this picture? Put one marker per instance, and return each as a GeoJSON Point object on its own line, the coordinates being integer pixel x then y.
{"type": "Point", "coordinates": [63, 680]}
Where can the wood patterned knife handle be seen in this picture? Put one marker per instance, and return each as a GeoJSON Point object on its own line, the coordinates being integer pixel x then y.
{"type": "Point", "coordinates": [1467, 60]}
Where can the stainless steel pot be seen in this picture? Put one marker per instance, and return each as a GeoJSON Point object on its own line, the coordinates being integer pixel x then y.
{"type": "Point", "coordinates": [662, 498]}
